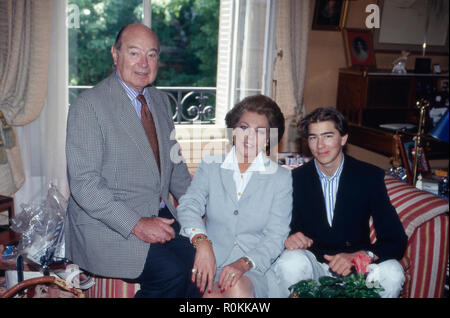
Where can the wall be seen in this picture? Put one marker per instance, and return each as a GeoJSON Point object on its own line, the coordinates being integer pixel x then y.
{"type": "Point", "coordinates": [326, 55]}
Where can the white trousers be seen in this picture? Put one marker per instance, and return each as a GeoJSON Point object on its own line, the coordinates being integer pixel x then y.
{"type": "Point", "coordinates": [296, 265]}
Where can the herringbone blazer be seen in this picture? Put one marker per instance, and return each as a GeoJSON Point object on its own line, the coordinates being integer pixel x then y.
{"type": "Point", "coordinates": [114, 178]}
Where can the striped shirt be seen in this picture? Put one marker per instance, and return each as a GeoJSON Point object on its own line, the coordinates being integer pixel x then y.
{"type": "Point", "coordinates": [330, 187]}
{"type": "Point", "coordinates": [132, 95]}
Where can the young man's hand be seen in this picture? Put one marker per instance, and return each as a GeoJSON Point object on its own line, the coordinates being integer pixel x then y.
{"type": "Point", "coordinates": [298, 241]}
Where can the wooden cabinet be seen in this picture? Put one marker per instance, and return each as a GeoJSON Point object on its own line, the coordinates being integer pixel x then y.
{"type": "Point", "coordinates": [368, 99]}
{"type": "Point", "coordinates": [374, 98]}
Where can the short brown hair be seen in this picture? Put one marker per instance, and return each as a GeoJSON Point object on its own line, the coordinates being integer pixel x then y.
{"type": "Point", "coordinates": [262, 105]}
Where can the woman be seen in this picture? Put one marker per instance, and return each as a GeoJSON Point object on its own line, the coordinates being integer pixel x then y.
{"type": "Point", "coordinates": [246, 200]}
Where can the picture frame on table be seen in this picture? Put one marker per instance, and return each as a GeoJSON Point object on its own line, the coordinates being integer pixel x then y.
{"type": "Point", "coordinates": [330, 15]}
{"type": "Point", "coordinates": [358, 44]}
{"type": "Point", "coordinates": [407, 153]}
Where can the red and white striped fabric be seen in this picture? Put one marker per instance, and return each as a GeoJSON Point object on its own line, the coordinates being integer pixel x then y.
{"type": "Point", "coordinates": [426, 222]}
{"type": "Point", "coordinates": [111, 288]}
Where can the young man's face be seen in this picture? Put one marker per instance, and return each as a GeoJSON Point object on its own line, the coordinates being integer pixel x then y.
{"type": "Point", "coordinates": [326, 143]}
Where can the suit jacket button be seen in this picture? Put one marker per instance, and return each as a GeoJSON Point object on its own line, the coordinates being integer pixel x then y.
{"type": "Point", "coordinates": [236, 212]}
{"type": "Point", "coordinates": [348, 244]}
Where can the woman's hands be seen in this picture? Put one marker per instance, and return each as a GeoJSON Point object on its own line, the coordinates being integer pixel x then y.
{"type": "Point", "coordinates": [231, 274]}
{"type": "Point", "coordinates": [204, 269]}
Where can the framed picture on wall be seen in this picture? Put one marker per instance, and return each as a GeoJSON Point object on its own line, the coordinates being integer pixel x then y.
{"type": "Point", "coordinates": [359, 48]}
{"type": "Point", "coordinates": [330, 15]}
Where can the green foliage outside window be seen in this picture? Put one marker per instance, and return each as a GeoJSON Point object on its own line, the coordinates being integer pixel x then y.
{"type": "Point", "coordinates": [187, 30]}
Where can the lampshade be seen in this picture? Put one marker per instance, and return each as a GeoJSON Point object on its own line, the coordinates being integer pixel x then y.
{"type": "Point", "coordinates": [440, 132]}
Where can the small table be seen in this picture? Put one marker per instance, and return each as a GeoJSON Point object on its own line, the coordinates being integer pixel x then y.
{"type": "Point", "coordinates": [7, 203]}
{"type": "Point", "coordinates": [6, 235]}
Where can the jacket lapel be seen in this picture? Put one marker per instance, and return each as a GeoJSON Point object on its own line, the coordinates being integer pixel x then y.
{"type": "Point", "coordinates": [256, 180]}
{"type": "Point", "coordinates": [317, 196]}
{"type": "Point", "coordinates": [228, 184]}
{"type": "Point", "coordinates": [341, 193]}
{"type": "Point", "coordinates": [132, 125]}
{"type": "Point", "coordinates": [159, 118]}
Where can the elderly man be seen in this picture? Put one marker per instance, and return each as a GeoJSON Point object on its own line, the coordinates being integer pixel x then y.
{"type": "Point", "coordinates": [120, 222]}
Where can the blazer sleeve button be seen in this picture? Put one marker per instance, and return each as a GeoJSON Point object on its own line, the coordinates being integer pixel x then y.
{"type": "Point", "coordinates": [348, 244]}
{"type": "Point", "coordinates": [236, 212]}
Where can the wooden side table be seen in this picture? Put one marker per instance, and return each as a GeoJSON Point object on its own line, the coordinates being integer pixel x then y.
{"type": "Point", "coordinates": [7, 203]}
{"type": "Point", "coordinates": [8, 236]}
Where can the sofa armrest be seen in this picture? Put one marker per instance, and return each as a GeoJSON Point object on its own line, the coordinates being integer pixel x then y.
{"type": "Point", "coordinates": [425, 219]}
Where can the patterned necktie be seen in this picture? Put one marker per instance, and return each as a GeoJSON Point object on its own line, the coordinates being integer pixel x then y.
{"type": "Point", "coordinates": [150, 128]}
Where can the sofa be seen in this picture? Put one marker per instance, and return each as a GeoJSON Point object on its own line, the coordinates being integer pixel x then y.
{"type": "Point", "coordinates": [425, 219]}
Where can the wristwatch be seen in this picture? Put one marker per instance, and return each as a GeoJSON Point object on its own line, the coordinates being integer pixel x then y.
{"type": "Point", "coordinates": [370, 254]}
{"type": "Point", "coordinates": [249, 262]}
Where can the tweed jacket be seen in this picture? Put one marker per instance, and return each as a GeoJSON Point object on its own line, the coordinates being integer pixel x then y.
{"type": "Point", "coordinates": [114, 178]}
{"type": "Point", "coordinates": [361, 194]}
{"type": "Point", "coordinates": [255, 226]}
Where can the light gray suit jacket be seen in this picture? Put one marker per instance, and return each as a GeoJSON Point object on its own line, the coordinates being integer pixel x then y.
{"type": "Point", "coordinates": [255, 226]}
{"type": "Point", "coordinates": [114, 178]}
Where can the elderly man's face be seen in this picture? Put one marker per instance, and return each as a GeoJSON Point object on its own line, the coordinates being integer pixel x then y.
{"type": "Point", "coordinates": [137, 61]}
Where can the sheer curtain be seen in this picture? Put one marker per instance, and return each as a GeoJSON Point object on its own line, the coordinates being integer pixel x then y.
{"type": "Point", "coordinates": [42, 142]}
{"type": "Point", "coordinates": [290, 70]}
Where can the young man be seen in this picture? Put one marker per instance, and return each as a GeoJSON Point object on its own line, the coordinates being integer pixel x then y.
{"type": "Point", "coordinates": [334, 196]}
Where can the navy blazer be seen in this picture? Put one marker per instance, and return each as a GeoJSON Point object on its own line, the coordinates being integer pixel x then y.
{"type": "Point", "coordinates": [362, 193]}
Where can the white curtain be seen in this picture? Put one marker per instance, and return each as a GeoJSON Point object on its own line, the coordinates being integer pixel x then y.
{"type": "Point", "coordinates": [293, 26]}
{"type": "Point", "coordinates": [42, 142]}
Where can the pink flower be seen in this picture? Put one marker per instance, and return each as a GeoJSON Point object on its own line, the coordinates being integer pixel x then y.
{"type": "Point", "coordinates": [361, 262]}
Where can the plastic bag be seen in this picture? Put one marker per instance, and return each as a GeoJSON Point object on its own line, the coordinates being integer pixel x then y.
{"type": "Point", "coordinates": [42, 229]}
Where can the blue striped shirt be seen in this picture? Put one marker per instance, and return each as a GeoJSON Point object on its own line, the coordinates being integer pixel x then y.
{"type": "Point", "coordinates": [330, 187]}
{"type": "Point", "coordinates": [132, 95]}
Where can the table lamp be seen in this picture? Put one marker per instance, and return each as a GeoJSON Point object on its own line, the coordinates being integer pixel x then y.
{"type": "Point", "coordinates": [441, 132]}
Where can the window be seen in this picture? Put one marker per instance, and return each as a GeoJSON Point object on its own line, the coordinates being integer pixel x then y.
{"type": "Point", "coordinates": [203, 50]}
{"type": "Point", "coordinates": [247, 51]}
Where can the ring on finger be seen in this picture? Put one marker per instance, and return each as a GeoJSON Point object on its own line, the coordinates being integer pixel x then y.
{"type": "Point", "coordinates": [199, 273]}
{"type": "Point", "coordinates": [232, 275]}
{"type": "Point", "coordinates": [194, 270]}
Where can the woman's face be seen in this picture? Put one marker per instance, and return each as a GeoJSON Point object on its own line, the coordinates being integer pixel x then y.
{"type": "Point", "coordinates": [250, 134]}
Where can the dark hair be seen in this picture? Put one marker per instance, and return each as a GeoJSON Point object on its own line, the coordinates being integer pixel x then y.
{"type": "Point", "coordinates": [262, 105]}
{"type": "Point", "coordinates": [323, 114]}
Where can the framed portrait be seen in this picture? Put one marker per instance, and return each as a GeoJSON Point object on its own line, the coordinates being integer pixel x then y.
{"type": "Point", "coordinates": [330, 14]}
{"type": "Point", "coordinates": [359, 48]}
{"type": "Point", "coordinates": [404, 26]}
{"type": "Point", "coordinates": [407, 153]}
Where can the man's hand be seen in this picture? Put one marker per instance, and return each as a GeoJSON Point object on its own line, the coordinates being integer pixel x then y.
{"type": "Point", "coordinates": [154, 230]}
{"type": "Point", "coordinates": [297, 241]}
{"type": "Point", "coordinates": [341, 263]}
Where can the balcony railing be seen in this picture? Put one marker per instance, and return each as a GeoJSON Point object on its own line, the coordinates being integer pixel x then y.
{"type": "Point", "coordinates": [190, 105]}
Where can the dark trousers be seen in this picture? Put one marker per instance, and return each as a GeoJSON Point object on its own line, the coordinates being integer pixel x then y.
{"type": "Point", "coordinates": [167, 270]}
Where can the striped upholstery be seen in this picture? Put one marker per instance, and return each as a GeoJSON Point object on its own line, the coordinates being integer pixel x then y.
{"type": "Point", "coordinates": [111, 288]}
{"type": "Point", "coordinates": [426, 222]}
